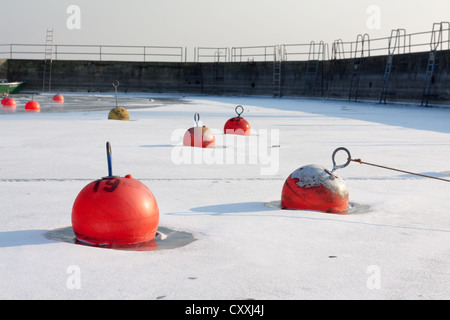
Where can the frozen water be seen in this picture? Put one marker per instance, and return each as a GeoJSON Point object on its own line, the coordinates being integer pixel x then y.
{"type": "Point", "coordinates": [398, 247]}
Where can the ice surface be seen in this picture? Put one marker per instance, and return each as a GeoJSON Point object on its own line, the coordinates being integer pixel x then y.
{"type": "Point", "coordinates": [398, 247]}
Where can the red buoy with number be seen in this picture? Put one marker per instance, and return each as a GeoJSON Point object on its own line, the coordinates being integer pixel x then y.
{"type": "Point", "coordinates": [115, 211]}
{"type": "Point", "coordinates": [237, 125]}
{"type": "Point", "coordinates": [201, 137]}
{"type": "Point", "coordinates": [58, 98]}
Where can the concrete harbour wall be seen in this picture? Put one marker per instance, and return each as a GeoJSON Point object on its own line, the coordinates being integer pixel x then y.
{"type": "Point", "coordinates": [334, 77]}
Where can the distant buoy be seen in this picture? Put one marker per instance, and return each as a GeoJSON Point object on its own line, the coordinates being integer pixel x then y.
{"type": "Point", "coordinates": [237, 125]}
{"type": "Point", "coordinates": [313, 187]}
{"type": "Point", "coordinates": [115, 211]}
{"type": "Point", "coordinates": [58, 98]}
{"type": "Point", "coordinates": [119, 113]}
{"type": "Point", "coordinates": [32, 106]}
{"type": "Point", "coordinates": [9, 103]}
{"type": "Point", "coordinates": [201, 137]}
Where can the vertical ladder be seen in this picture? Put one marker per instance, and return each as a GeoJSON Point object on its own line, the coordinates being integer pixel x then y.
{"type": "Point", "coordinates": [435, 42]}
{"type": "Point", "coordinates": [396, 37]}
{"type": "Point", "coordinates": [48, 60]}
{"type": "Point", "coordinates": [337, 50]}
{"type": "Point", "coordinates": [312, 67]}
{"type": "Point", "coordinates": [277, 63]}
{"type": "Point", "coordinates": [219, 71]}
{"type": "Point", "coordinates": [357, 65]}
{"type": "Point", "coordinates": [429, 77]}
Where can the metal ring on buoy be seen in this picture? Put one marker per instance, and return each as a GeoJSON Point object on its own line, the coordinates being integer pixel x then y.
{"type": "Point", "coordinates": [335, 167]}
{"type": "Point", "coordinates": [242, 110]}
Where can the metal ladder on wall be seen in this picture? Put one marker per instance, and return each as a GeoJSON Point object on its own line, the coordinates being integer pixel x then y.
{"type": "Point", "coordinates": [312, 67]}
{"type": "Point", "coordinates": [435, 42]}
{"type": "Point", "coordinates": [48, 60]}
{"type": "Point", "coordinates": [357, 64]}
{"type": "Point", "coordinates": [219, 71]}
{"type": "Point", "coordinates": [279, 57]}
{"type": "Point", "coordinates": [396, 36]}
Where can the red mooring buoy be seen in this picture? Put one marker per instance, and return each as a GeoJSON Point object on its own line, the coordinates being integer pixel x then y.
{"type": "Point", "coordinates": [59, 98]}
{"type": "Point", "coordinates": [115, 211]}
{"type": "Point", "coordinates": [237, 125]}
{"type": "Point", "coordinates": [32, 106]}
{"type": "Point", "coordinates": [201, 137]}
{"type": "Point", "coordinates": [313, 187]}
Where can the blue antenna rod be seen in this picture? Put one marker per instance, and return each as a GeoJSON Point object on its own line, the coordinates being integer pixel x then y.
{"type": "Point", "coordinates": [108, 154]}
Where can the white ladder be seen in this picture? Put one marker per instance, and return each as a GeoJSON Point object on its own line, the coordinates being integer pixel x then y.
{"type": "Point", "coordinates": [279, 56]}
{"type": "Point", "coordinates": [48, 60]}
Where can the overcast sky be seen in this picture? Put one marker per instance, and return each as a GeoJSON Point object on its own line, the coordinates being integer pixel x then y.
{"type": "Point", "coordinates": [221, 23]}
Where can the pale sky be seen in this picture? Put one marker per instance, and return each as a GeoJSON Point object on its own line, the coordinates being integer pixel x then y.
{"type": "Point", "coordinates": [205, 23]}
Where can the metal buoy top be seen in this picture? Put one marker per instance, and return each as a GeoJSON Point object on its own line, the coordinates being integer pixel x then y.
{"type": "Point", "coordinates": [109, 159]}
{"type": "Point", "coordinates": [196, 119]}
{"type": "Point", "coordinates": [342, 166]}
{"type": "Point", "coordinates": [115, 84]}
{"type": "Point", "coordinates": [241, 109]}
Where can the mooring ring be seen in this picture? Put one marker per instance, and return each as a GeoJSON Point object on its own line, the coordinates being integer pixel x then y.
{"type": "Point", "coordinates": [239, 113]}
{"type": "Point", "coordinates": [335, 167]}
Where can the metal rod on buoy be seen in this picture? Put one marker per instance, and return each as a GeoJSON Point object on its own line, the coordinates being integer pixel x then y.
{"type": "Point", "coordinates": [115, 85]}
{"type": "Point", "coordinates": [108, 155]}
{"type": "Point", "coordinates": [196, 119]}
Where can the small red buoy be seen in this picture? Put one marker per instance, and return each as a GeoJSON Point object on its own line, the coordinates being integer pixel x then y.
{"type": "Point", "coordinates": [115, 211]}
{"type": "Point", "coordinates": [237, 125]}
{"type": "Point", "coordinates": [32, 106]}
{"type": "Point", "coordinates": [58, 98]}
{"type": "Point", "coordinates": [9, 103]}
{"type": "Point", "coordinates": [313, 187]}
{"type": "Point", "coordinates": [201, 137]}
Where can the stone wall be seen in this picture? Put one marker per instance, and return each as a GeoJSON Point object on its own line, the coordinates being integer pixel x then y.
{"type": "Point", "coordinates": [334, 77]}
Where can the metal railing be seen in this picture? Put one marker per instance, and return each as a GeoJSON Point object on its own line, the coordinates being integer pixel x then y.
{"type": "Point", "coordinates": [208, 54]}
{"type": "Point", "coordinates": [94, 52]}
{"type": "Point", "coordinates": [407, 43]}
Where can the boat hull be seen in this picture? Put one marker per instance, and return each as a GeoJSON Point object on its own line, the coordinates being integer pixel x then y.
{"type": "Point", "coordinates": [11, 87]}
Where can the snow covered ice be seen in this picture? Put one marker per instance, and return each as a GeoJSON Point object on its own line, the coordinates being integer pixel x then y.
{"type": "Point", "coordinates": [396, 247]}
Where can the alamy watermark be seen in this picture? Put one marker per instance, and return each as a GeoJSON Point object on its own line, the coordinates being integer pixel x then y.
{"type": "Point", "coordinates": [74, 279]}
{"type": "Point", "coordinates": [373, 22]}
{"type": "Point", "coordinates": [261, 148]}
{"type": "Point", "coordinates": [374, 278]}
{"type": "Point", "coordinates": [73, 21]}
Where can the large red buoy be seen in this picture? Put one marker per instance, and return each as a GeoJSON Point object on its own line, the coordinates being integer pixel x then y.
{"type": "Point", "coordinates": [32, 106]}
{"type": "Point", "coordinates": [115, 211]}
{"type": "Point", "coordinates": [313, 187]}
{"type": "Point", "coordinates": [201, 137]}
{"type": "Point", "coordinates": [237, 125]}
{"type": "Point", "coordinates": [59, 98]}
